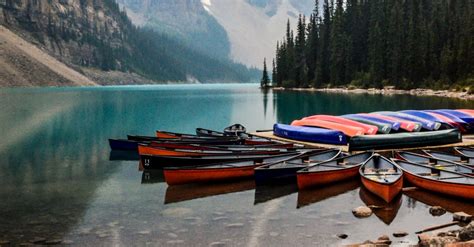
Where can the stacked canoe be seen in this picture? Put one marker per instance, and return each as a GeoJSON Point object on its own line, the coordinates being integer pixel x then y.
{"type": "Point", "coordinates": [383, 129]}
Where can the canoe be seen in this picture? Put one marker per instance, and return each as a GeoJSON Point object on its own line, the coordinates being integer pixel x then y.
{"type": "Point", "coordinates": [395, 126]}
{"type": "Point", "coordinates": [466, 152]}
{"type": "Point", "coordinates": [310, 134]}
{"type": "Point", "coordinates": [463, 116]}
{"type": "Point", "coordinates": [159, 162]}
{"type": "Point", "coordinates": [235, 130]}
{"type": "Point", "coordinates": [463, 127]}
{"type": "Point", "coordinates": [153, 177]}
{"type": "Point", "coordinates": [331, 171]}
{"type": "Point", "coordinates": [385, 211]}
{"type": "Point", "coordinates": [451, 157]}
{"type": "Point", "coordinates": [121, 144]}
{"type": "Point", "coordinates": [381, 177]}
{"type": "Point", "coordinates": [383, 128]}
{"type": "Point", "coordinates": [226, 147]}
{"type": "Point", "coordinates": [405, 140]}
{"type": "Point", "coordinates": [208, 132]}
{"type": "Point", "coordinates": [467, 111]}
{"type": "Point", "coordinates": [425, 115]}
{"type": "Point", "coordinates": [285, 171]}
{"type": "Point", "coordinates": [428, 125]}
{"type": "Point", "coordinates": [346, 129]}
{"type": "Point", "coordinates": [452, 117]}
{"type": "Point", "coordinates": [186, 141]}
{"type": "Point", "coordinates": [172, 135]}
{"type": "Point", "coordinates": [437, 180]}
{"type": "Point", "coordinates": [219, 172]}
{"type": "Point", "coordinates": [368, 129]}
{"type": "Point", "coordinates": [406, 125]}
{"type": "Point", "coordinates": [434, 162]}
{"type": "Point", "coordinates": [149, 150]}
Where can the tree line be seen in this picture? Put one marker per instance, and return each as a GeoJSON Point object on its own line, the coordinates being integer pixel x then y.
{"type": "Point", "coordinates": [377, 43]}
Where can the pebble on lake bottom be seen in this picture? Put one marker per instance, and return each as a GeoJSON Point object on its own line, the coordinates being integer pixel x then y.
{"type": "Point", "coordinates": [176, 212]}
{"type": "Point", "coordinates": [145, 232]}
{"type": "Point", "coordinates": [342, 236]}
{"type": "Point", "coordinates": [234, 225]}
{"type": "Point", "coordinates": [217, 244]}
{"type": "Point", "coordinates": [437, 210]}
{"type": "Point", "coordinates": [274, 234]}
{"type": "Point", "coordinates": [400, 234]}
{"type": "Point", "coordinates": [54, 242]}
{"type": "Point", "coordinates": [172, 235]}
{"type": "Point", "coordinates": [175, 241]}
{"type": "Point", "coordinates": [38, 240]}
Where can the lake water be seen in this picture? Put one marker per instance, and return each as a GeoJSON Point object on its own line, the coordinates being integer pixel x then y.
{"type": "Point", "coordinates": [58, 179]}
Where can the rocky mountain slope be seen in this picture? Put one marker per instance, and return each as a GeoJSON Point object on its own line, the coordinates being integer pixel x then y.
{"type": "Point", "coordinates": [95, 35]}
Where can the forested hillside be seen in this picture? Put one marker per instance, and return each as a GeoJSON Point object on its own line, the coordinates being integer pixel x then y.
{"type": "Point", "coordinates": [97, 34]}
{"type": "Point", "coordinates": [366, 43]}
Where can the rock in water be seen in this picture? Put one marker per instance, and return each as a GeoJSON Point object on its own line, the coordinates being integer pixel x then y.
{"type": "Point", "coordinates": [342, 236]}
{"type": "Point", "coordinates": [463, 217]}
{"type": "Point", "coordinates": [467, 234]}
{"type": "Point", "coordinates": [400, 234]}
{"type": "Point", "coordinates": [437, 211]}
{"type": "Point", "coordinates": [362, 212]}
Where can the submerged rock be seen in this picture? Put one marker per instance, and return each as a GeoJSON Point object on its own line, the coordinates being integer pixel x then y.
{"type": "Point", "coordinates": [437, 211]}
{"type": "Point", "coordinates": [53, 242]}
{"type": "Point", "coordinates": [400, 234]}
{"type": "Point", "coordinates": [342, 236]}
{"type": "Point", "coordinates": [217, 244]}
{"type": "Point", "coordinates": [362, 212]}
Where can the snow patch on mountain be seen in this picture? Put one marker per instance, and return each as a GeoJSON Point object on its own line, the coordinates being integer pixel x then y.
{"type": "Point", "coordinates": [252, 31]}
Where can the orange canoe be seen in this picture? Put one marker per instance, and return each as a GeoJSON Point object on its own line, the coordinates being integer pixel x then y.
{"type": "Point", "coordinates": [219, 172]}
{"type": "Point", "coordinates": [331, 171]}
{"type": "Point", "coordinates": [346, 129]}
{"type": "Point", "coordinates": [368, 129]}
{"type": "Point", "coordinates": [382, 177]}
{"type": "Point", "coordinates": [437, 180]}
{"type": "Point", "coordinates": [158, 151]}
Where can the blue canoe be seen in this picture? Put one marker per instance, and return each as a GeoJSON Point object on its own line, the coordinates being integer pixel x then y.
{"type": "Point", "coordinates": [427, 124]}
{"type": "Point", "coordinates": [310, 134]}
{"type": "Point", "coordinates": [459, 115]}
{"type": "Point", "coordinates": [424, 115]}
{"type": "Point", "coordinates": [394, 125]}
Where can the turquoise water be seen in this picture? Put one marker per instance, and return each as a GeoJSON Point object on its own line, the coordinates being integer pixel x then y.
{"type": "Point", "coordinates": [57, 180]}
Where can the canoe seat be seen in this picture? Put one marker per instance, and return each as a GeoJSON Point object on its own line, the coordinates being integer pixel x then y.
{"type": "Point", "coordinates": [379, 170]}
{"type": "Point", "coordinates": [384, 174]}
{"type": "Point", "coordinates": [450, 178]}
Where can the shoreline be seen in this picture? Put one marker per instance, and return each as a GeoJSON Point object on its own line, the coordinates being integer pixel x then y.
{"type": "Point", "coordinates": [386, 91]}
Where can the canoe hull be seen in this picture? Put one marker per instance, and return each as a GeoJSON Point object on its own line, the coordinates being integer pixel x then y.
{"type": "Point", "coordinates": [185, 176]}
{"type": "Point", "coordinates": [451, 189]}
{"type": "Point", "coordinates": [385, 191]}
{"type": "Point", "coordinates": [159, 162]}
{"type": "Point", "coordinates": [123, 144]}
{"type": "Point", "coordinates": [313, 179]}
{"type": "Point", "coordinates": [310, 134]}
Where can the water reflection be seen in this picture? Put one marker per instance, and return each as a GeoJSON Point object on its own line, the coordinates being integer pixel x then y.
{"type": "Point", "coordinates": [450, 204]}
{"type": "Point", "coordinates": [385, 211]}
{"type": "Point", "coordinates": [153, 177]}
{"type": "Point", "coordinates": [314, 195]}
{"type": "Point", "coordinates": [265, 193]}
{"type": "Point", "coordinates": [180, 193]}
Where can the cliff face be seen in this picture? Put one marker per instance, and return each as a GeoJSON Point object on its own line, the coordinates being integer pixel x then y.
{"type": "Point", "coordinates": [71, 30]}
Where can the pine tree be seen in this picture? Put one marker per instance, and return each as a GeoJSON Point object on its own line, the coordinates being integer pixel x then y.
{"type": "Point", "coordinates": [265, 81]}
{"type": "Point", "coordinates": [274, 73]}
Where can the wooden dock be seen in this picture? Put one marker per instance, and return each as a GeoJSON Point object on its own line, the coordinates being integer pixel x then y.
{"type": "Point", "coordinates": [467, 140]}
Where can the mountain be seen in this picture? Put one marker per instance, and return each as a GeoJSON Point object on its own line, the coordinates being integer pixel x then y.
{"type": "Point", "coordinates": [185, 20]}
{"type": "Point", "coordinates": [254, 26]}
{"type": "Point", "coordinates": [243, 30]}
{"type": "Point", "coordinates": [95, 38]}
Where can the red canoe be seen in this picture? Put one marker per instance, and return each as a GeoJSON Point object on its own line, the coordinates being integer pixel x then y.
{"type": "Point", "coordinates": [404, 124]}
{"type": "Point", "coordinates": [437, 180]}
{"type": "Point", "coordinates": [346, 129]}
{"type": "Point", "coordinates": [448, 121]}
{"type": "Point", "coordinates": [219, 172]}
{"type": "Point", "coordinates": [331, 171]}
{"type": "Point", "coordinates": [381, 177]}
{"type": "Point", "coordinates": [368, 129]}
